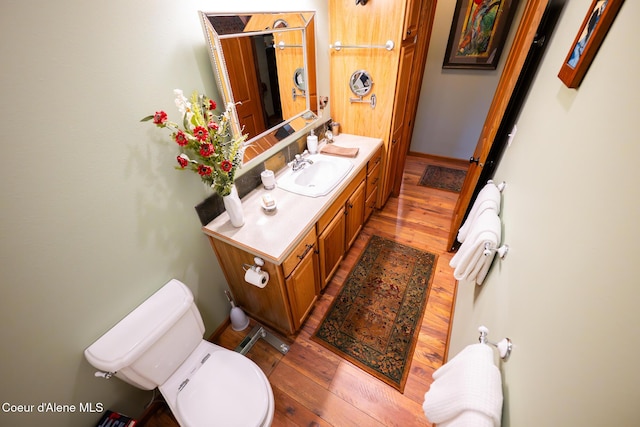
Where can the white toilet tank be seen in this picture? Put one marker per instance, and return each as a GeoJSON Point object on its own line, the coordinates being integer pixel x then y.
{"type": "Point", "coordinates": [152, 341]}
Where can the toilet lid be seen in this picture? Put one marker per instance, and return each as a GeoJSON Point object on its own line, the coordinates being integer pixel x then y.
{"type": "Point", "coordinates": [228, 390]}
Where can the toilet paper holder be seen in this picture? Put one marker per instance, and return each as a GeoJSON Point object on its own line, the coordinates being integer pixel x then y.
{"type": "Point", "coordinates": [254, 275]}
{"type": "Point", "coordinates": [258, 263]}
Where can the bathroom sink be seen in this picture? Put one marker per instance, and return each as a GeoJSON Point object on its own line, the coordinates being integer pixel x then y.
{"type": "Point", "coordinates": [318, 178]}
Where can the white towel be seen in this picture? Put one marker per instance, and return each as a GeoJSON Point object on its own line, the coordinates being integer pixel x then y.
{"type": "Point", "coordinates": [488, 198]}
{"type": "Point", "coordinates": [469, 419]}
{"type": "Point", "coordinates": [471, 383]}
{"type": "Point", "coordinates": [470, 262]}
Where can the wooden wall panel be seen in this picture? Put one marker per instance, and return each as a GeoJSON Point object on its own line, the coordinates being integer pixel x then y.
{"type": "Point", "coordinates": [372, 24]}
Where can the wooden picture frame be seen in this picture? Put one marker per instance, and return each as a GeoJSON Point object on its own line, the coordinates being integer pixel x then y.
{"type": "Point", "coordinates": [478, 33]}
{"type": "Point", "coordinates": [586, 44]}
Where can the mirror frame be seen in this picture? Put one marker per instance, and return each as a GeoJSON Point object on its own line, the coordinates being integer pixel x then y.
{"type": "Point", "coordinates": [216, 55]}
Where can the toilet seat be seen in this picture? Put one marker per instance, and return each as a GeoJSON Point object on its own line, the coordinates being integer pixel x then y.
{"type": "Point", "coordinates": [222, 389]}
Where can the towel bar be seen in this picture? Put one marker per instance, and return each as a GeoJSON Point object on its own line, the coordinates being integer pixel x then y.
{"type": "Point", "coordinates": [389, 45]}
{"type": "Point", "coordinates": [282, 45]}
{"type": "Point", "coordinates": [504, 346]}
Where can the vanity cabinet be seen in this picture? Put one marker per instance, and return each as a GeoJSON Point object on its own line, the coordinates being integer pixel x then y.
{"type": "Point", "coordinates": [269, 305]}
{"type": "Point", "coordinates": [301, 243]}
{"type": "Point", "coordinates": [293, 286]}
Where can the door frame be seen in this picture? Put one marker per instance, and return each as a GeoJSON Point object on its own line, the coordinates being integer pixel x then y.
{"type": "Point", "coordinates": [524, 41]}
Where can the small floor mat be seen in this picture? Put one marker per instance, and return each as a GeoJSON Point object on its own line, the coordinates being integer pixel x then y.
{"type": "Point", "coordinates": [443, 178]}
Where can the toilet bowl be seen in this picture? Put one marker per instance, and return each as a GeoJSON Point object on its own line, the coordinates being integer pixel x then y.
{"type": "Point", "coordinates": [159, 344]}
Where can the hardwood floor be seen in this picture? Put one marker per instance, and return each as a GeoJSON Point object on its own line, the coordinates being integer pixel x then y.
{"type": "Point", "coordinates": [313, 386]}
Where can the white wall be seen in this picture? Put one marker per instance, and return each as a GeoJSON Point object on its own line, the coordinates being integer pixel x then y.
{"type": "Point", "coordinates": [567, 292]}
{"type": "Point", "coordinates": [94, 217]}
{"type": "Point", "coordinates": [453, 103]}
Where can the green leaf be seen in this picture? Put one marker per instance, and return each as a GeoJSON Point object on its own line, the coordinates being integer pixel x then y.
{"type": "Point", "coordinates": [146, 119]}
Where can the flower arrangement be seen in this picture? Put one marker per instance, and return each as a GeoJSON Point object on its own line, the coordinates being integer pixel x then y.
{"type": "Point", "coordinates": [207, 147]}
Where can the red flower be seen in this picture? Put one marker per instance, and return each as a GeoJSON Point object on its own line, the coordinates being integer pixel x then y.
{"type": "Point", "coordinates": [182, 162]}
{"type": "Point", "coordinates": [181, 138]}
{"type": "Point", "coordinates": [159, 118]}
{"type": "Point", "coordinates": [201, 133]}
{"type": "Point", "coordinates": [478, 2]}
{"type": "Point", "coordinates": [212, 125]}
{"type": "Point", "coordinates": [206, 150]}
{"type": "Point", "coordinates": [212, 104]}
{"type": "Point", "coordinates": [226, 165]}
{"type": "Point", "coordinates": [204, 170]}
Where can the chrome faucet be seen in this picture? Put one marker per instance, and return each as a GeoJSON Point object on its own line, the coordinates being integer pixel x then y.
{"type": "Point", "coordinates": [300, 162]}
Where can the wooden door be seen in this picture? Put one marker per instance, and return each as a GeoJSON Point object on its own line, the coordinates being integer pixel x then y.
{"type": "Point", "coordinates": [354, 215]}
{"type": "Point", "coordinates": [411, 19]}
{"type": "Point", "coordinates": [525, 35]}
{"type": "Point", "coordinates": [245, 84]}
{"type": "Point", "coordinates": [331, 247]}
{"type": "Point", "coordinates": [399, 127]}
{"type": "Point", "coordinates": [301, 288]}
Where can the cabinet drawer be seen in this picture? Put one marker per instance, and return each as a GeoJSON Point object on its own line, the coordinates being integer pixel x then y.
{"type": "Point", "coordinates": [370, 204]}
{"type": "Point", "coordinates": [307, 244]}
{"type": "Point", "coordinates": [376, 159]}
{"type": "Point", "coordinates": [372, 179]}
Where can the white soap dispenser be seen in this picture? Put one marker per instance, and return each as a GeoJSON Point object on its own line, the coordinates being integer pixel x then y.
{"type": "Point", "coordinates": [312, 143]}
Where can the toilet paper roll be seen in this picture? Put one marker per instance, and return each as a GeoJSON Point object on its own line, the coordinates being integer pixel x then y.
{"type": "Point", "coordinates": [256, 277]}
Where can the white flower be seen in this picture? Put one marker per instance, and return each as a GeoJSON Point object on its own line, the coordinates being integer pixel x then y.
{"type": "Point", "coordinates": [182, 102]}
{"type": "Point", "coordinates": [184, 156]}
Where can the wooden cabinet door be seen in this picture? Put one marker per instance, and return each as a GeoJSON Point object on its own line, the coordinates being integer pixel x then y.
{"type": "Point", "coordinates": [354, 214]}
{"type": "Point", "coordinates": [331, 246]}
{"type": "Point", "coordinates": [301, 288]}
{"type": "Point", "coordinates": [411, 19]}
{"type": "Point", "coordinates": [399, 138]}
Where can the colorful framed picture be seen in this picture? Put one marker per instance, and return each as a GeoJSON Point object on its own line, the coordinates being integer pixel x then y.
{"type": "Point", "coordinates": [584, 48]}
{"type": "Point", "coordinates": [478, 32]}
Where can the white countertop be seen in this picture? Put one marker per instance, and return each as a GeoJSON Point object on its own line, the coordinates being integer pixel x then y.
{"type": "Point", "coordinates": [273, 236]}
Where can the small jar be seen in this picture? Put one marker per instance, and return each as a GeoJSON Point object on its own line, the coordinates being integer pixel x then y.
{"type": "Point", "coordinates": [335, 128]}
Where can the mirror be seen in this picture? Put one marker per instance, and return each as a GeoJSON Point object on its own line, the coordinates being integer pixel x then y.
{"type": "Point", "coordinates": [265, 69]}
{"type": "Point", "coordinates": [360, 83]}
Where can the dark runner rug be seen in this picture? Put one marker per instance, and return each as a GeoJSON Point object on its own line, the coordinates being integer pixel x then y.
{"type": "Point", "coordinates": [375, 319]}
{"type": "Point", "coordinates": [443, 178]}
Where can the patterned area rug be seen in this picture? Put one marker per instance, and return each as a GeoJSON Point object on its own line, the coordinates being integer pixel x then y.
{"type": "Point", "coordinates": [375, 319]}
{"type": "Point", "coordinates": [443, 178]}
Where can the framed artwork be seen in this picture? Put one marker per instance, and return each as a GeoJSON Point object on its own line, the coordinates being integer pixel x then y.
{"type": "Point", "coordinates": [584, 48]}
{"type": "Point", "coordinates": [478, 32]}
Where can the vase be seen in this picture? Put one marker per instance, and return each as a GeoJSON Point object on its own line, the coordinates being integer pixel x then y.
{"type": "Point", "coordinates": [233, 205]}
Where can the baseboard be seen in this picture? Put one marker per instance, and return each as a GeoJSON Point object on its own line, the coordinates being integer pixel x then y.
{"type": "Point", "coordinates": [214, 336]}
{"type": "Point", "coordinates": [460, 162]}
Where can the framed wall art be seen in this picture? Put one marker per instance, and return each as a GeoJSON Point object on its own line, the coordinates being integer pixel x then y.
{"type": "Point", "coordinates": [478, 33]}
{"type": "Point", "coordinates": [594, 28]}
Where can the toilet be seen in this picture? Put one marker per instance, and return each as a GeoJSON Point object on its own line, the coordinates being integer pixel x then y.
{"type": "Point", "coordinates": [160, 344]}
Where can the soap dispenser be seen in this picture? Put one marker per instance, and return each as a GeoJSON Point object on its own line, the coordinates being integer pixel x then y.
{"type": "Point", "coordinates": [312, 143]}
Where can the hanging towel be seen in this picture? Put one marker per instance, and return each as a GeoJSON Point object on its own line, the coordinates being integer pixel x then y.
{"type": "Point", "coordinates": [468, 387]}
{"type": "Point", "coordinates": [469, 419]}
{"type": "Point", "coordinates": [488, 198]}
{"type": "Point", "coordinates": [470, 262]}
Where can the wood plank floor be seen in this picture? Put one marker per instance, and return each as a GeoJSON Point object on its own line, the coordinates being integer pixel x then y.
{"type": "Point", "coordinates": [313, 386]}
